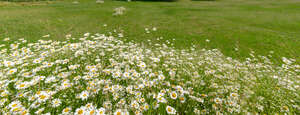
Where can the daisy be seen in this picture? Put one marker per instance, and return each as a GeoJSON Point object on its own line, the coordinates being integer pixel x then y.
{"type": "Point", "coordinates": [154, 29]}
{"type": "Point", "coordinates": [285, 108]}
{"type": "Point", "coordinates": [142, 65]}
{"type": "Point", "coordinates": [84, 95]}
{"type": "Point", "coordinates": [101, 111]}
{"type": "Point", "coordinates": [56, 102]}
{"type": "Point", "coordinates": [182, 99]}
{"type": "Point", "coordinates": [218, 100]}
{"type": "Point", "coordinates": [207, 40]}
{"type": "Point", "coordinates": [146, 106]}
{"type": "Point", "coordinates": [126, 74]}
{"type": "Point", "coordinates": [23, 85]}
{"type": "Point", "coordinates": [14, 46]}
{"type": "Point", "coordinates": [92, 112]}
{"type": "Point", "coordinates": [134, 104]}
{"type": "Point", "coordinates": [38, 60]}
{"type": "Point", "coordinates": [15, 104]}
{"type": "Point", "coordinates": [43, 96]}
{"type": "Point", "coordinates": [170, 110]}
{"type": "Point", "coordinates": [66, 84]}
{"type": "Point", "coordinates": [25, 112]}
{"type": "Point", "coordinates": [234, 95]}
{"type": "Point", "coordinates": [173, 95]}
{"type": "Point", "coordinates": [161, 77]}
{"type": "Point", "coordinates": [38, 112]}
{"type": "Point", "coordinates": [12, 71]}
{"type": "Point", "coordinates": [8, 63]}
{"type": "Point", "coordinates": [80, 111]}
{"type": "Point", "coordinates": [46, 36]}
{"type": "Point", "coordinates": [6, 39]}
{"type": "Point", "coordinates": [161, 100]}
{"type": "Point", "coordinates": [118, 112]}
{"type": "Point", "coordinates": [66, 111]}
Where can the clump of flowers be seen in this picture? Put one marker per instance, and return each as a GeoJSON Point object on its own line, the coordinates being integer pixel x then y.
{"type": "Point", "coordinates": [119, 11]}
{"type": "Point", "coordinates": [102, 74]}
{"type": "Point", "coordinates": [99, 1]}
{"type": "Point", "coordinates": [75, 2]}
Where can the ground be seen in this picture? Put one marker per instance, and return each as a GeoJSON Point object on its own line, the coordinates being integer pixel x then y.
{"type": "Point", "coordinates": [258, 25]}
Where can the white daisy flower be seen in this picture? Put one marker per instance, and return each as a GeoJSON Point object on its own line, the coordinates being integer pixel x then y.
{"type": "Point", "coordinates": [170, 110]}
{"type": "Point", "coordinates": [56, 102]}
{"type": "Point", "coordinates": [173, 95]}
{"type": "Point", "coordinates": [84, 95]}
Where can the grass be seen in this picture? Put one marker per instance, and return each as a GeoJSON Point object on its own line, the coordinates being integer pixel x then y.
{"type": "Point", "coordinates": [99, 73]}
{"type": "Point", "coordinates": [259, 25]}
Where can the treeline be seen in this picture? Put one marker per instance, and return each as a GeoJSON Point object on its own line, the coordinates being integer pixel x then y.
{"type": "Point", "coordinates": [24, 0]}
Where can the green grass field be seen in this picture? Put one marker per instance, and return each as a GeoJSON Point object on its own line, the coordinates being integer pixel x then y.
{"type": "Point", "coordinates": [258, 25]}
{"type": "Point", "coordinates": [88, 73]}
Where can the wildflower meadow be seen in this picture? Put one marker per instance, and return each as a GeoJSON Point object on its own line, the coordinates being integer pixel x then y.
{"type": "Point", "coordinates": [107, 73]}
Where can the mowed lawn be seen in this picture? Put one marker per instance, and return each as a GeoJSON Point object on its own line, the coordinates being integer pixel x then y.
{"type": "Point", "coordinates": [258, 25]}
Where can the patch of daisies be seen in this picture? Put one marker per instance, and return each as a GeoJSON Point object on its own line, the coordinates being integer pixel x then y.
{"type": "Point", "coordinates": [102, 74]}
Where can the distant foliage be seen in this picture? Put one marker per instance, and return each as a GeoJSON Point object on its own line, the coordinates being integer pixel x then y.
{"type": "Point", "coordinates": [153, 0]}
{"type": "Point", "coordinates": [204, 0]}
{"type": "Point", "coordinates": [24, 0]}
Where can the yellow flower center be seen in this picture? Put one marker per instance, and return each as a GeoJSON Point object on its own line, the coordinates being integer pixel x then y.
{"type": "Point", "coordinates": [92, 112]}
{"type": "Point", "coordinates": [14, 105]}
{"type": "Point", "coordinates": [118, 113]}
{"type": "Point", "coordinates": [169, 110]}
{"type": "Point", "coordinates": [66, 110]}
{"type": "Point", "coordinates": [42, 96]}
{"type": "Point", "coordinates": [22, 85]}
{"type": "Point", "coordinates": [80, 111]}
{"type": "Point", "coordinates": [174, 95]}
